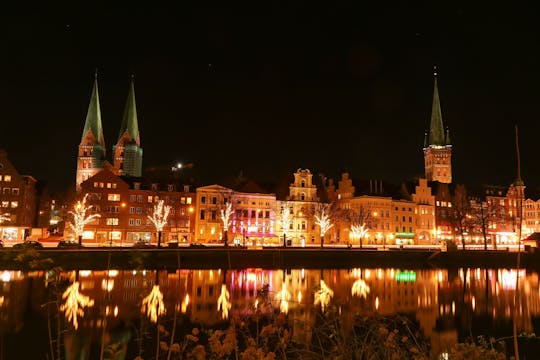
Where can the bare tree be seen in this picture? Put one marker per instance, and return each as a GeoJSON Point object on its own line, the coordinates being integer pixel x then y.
{"type": "Point", "coordinates": [226, 218]}
{"type": "Point", "coordinates": [159, 218]}
{"type": "Point", "coordinates": [359, 221]}
{"type": "Point", "coordinates": [460, 211]}
{"type": "Point", "coordinates": [479, 219]}
{"type": "Point", "coordinates": [80, 218]}
{"type": "Point", "coordinates": [322, 218]}
{"type": "Point", "coordinates": [285, 219]}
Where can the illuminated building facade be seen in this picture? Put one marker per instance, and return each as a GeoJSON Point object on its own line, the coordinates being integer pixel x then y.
{"type": "Point", "coordinates": [19, 201]}
{"type": "Point", "coordinates": [124, 205]}
{"type": "Point", "coordinates": [253, 216]}
{"type": "Point", "coordinates": [302, 201]}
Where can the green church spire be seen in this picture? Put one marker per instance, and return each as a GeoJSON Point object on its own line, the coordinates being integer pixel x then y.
{"type": "Point", "coordinates": [130, 124]}
{"type": "Point", "coordinates": [436, 131]}
{"type": "Point", "coordinates": [93, 117]}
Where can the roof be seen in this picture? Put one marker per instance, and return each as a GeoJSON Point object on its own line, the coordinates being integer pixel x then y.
{"type": "Point", "coordinates": [130, 124]}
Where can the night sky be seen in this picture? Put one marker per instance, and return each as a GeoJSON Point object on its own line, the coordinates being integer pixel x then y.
{"type": "Point", "coordinates": [269, 87]}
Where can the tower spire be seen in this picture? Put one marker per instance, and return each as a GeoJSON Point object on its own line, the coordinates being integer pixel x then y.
{"type": "Point", "coordinates": [437, 146]}
{"type": "Point", "coordinates": [92, 146]}
{"type": "Point", "coordinates": [93, 117]}
{"type": "Point", "coordinates": [436, 129]}
{"type": "Point", "coordinates": [130, 124]}
{"type": "Point", "coordinates": [127, 151]}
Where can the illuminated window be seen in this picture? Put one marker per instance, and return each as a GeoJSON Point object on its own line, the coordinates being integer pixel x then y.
{"type": "Point", "coordinates": [150, 198]}
{"type": "Point", "coordinates": [14, 204]}
{"type": "Point", "coordinates": [7, 178]}
{"type": "Point", "coordinates": [108, 185]}
{"type": "Point", "coordinates": [5, 204]}
{"type": "Point", "coordinates": [138, 222]}
{"type": "Point", "coordinates": [112, 221]}
{"type": "Point", "coordinates": [188, 200]}
{"type": "Point", "coordinates": [15, 191]}
{"type": "Point", "coordinates": [101, 185]}
{"type": "Point", "coordinates": [114, 185]}
{"type": "Point", "coordinates": [113, 197]}
{"type": "Point", "coordinates": [96, 184]}
{"type": "Point", "coordinates": [131, 222]}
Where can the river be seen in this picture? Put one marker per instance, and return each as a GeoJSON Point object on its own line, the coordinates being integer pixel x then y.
{"type": "Point", "coordinates": [141, 314]}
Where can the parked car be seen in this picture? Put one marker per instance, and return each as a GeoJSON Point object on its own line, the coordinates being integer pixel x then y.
{"type": "Point", "coordinates": [28, 244]}
{"type": "Point", "coordinates": [68, 244]}
{"type": "Point", "coordinates": [197, 245]}
{"type": "Point", "coordinates": [143, 245]}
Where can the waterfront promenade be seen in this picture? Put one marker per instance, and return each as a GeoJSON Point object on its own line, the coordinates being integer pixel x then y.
{"type": "Point", "coordinates": [270, 258]}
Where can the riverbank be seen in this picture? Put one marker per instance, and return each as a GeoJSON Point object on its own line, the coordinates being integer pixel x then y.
{"type": "Point", "coordinates": [232, 258]}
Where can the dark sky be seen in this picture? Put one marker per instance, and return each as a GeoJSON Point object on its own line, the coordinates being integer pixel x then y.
{"type": "Point", "coordinates": [269, 87]}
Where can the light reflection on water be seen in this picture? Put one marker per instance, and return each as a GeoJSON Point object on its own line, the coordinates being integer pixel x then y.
{"type": "Point", "coordinates": [446, 304]}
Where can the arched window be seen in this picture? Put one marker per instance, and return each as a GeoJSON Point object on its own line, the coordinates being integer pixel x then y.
{"type": "Point", "coordinates": [303, 196]}
{"type": "Point", "coordinates": [303, 184]}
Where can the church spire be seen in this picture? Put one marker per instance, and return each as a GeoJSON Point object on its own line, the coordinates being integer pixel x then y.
{"type": "Point", "coordinates": [437, 147]}
{"type": "Point", "coordinates": [130, 125]}
{"type": "Point", "coordinates": [128, 152]}
{"type": "Point", "coordinates": [92, 150]}
{"type": "Point", "coordinates": [93, 117]}
{"type": "Point", "coordinates": [436, 131]}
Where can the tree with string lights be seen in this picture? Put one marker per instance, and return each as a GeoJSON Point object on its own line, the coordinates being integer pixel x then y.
{"type": "Point", "coordinates": [81, 218]}
{"type": "Point", "coordinates": [322, 218]}
{"type": "Point", "coordinates": [159, 218]}
{"type": "Point", "coordinates": [226, 218]}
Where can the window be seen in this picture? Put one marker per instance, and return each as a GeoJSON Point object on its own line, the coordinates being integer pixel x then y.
{"type": "Point", "coordinates": [133, 198]}
{"type": "Point", "coordinates": [15, 191]}
{"type": "Point", "coordinates": [7, 178]}
{"type": "Point", "coordinates": [214, 200]}
{"type": "Point", "coordinates": [203, 199]}
{"type": "Point", "coordinates": [138, 222]}
{"type": "Point", "coordinates": [108, 185]}
{"type": "Point", "coordinates": [188, 200]}
{"type": "Point", "coordinates": [267, 214]}
{"type": "Point", "coordinates": [131, 222]}
{"type": "Point", "coordinates": [202, 215]}
{"type": "Point", "coordinates": [150, 198]}
{"type": "Point", "coordinates": [112, 221]}
{"type": "Point", "coordinates": [5, 204]}
{"type": "Point", "coordinates": [96, 184]}
{"type": "Point", "coordinates": [213, 214]}
{"type": "Point", "coordinates": [303, 196]}
{"type": "Point", "coordinates": [170, 187]}
{"type": "Point", "coordinates": [132, 210]}
{"type": "Point", "coordinates": [154, 186]}
{"type": "Point", "coordinates": [139, 198]}
{"type": "Point", "coordinates": [6, 191]}
{"type": "Point", "coordinates": [113, 197]}
{"type": "Point", "coordinates": [139, 210]}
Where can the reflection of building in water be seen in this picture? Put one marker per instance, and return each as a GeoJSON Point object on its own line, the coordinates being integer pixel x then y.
{"type": "Point", "coordinates": [14, 286]}
{"type": "Point", "coordinates": [442, 301]}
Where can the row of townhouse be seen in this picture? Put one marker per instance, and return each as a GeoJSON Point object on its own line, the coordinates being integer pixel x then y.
{"type": "Point", "coordinates": [424, 213]}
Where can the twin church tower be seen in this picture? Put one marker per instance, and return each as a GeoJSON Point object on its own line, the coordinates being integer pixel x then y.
{"type": "Point", "coordinates": [126, 154]}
